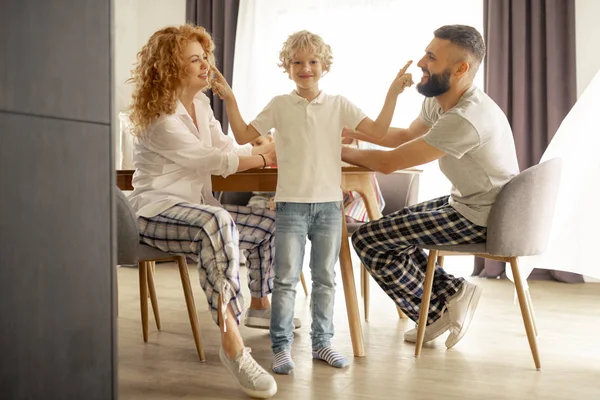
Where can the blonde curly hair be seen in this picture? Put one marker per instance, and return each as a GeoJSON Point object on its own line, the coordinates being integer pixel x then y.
{"type": "Point", "coordinates": [305, 41]}
{"type": "Point", "coordinates": [160, 72]}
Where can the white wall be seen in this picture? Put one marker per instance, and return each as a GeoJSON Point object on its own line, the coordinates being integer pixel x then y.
{"type": "Point", "coordinates": [135, 21]}
{"type": "Point", "coordinates": [587, 31]}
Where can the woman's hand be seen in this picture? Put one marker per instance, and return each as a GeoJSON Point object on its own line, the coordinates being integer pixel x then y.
{"type": "Point", "coordinates": [402, 80]}
{"type": "Point", "coordinates": [219, 85]}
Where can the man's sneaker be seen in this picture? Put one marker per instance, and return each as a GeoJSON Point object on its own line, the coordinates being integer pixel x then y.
{"type": "Point", "coordinates": [461, 308]}
{"type": "Point", "coordinates": [261, 319]}
{"type": "Point", "coordinates": [252, 378]}
{"type": "Point", "coordinates": [432, 331]}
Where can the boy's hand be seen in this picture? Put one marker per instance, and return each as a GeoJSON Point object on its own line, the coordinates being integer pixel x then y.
{"type": "Point", "coordinates": [402, 81]}
{"type": "Point", "coordinates": [219, 85]}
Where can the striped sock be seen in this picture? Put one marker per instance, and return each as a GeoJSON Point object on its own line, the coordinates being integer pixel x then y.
{"type": "Point", "coordinates": [331, 357]}
{"type": "Point", "coordinates": [283, 363]}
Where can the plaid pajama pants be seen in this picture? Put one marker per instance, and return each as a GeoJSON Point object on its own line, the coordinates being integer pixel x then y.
{"type": "Point", "coordinates": [214, 236]}
{"type": "Point", "coordinates": [389, 249]}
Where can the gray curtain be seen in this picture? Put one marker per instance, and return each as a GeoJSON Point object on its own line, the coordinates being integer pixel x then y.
{"type": "Point", "coordinates": [530, 73]}
{"type": "Point", "coordinates": [219, 17]}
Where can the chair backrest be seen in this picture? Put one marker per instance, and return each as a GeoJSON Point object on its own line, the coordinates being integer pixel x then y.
{"type": "Point", "coordinates": [521, 217]}
{"type": "Point", "coordinates": [128, 235]}
{"type": "Point", "coordinates": [399, 190]}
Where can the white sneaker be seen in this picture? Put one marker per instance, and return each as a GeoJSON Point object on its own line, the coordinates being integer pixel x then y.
{"type": "Point", "coordinates": [261, 319]}
{"type": "Point", "coordinates": [254, 380]}
{"type": "Point", "coordinates": [432, 331]}
{"type": "Point", "coordinates": [461, 308]}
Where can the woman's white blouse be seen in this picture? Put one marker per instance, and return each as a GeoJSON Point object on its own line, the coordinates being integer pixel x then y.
{"type": "Point", "coordinates": [174, 161]}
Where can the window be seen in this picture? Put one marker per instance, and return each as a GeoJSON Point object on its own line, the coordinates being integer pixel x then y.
{"type": "Point", "coordinates": [370, 40]}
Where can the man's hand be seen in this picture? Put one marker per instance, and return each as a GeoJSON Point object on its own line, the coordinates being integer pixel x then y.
{"type": "Point", "coordinates": [351, 155]}
{"type": "Point", "coordinates": [219, 85]}
{"type": "Point", "coordinates": [402, 80]}
{"type": "Point", "coordinates": [263, 149]}
{"type": "Point", "coordinates": [270, 158]}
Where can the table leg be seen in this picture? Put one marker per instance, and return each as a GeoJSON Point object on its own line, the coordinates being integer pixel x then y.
{"type": "Point", "coordinates": [350, 293]}
{"type": "Point", "coordinates": [367, 192]}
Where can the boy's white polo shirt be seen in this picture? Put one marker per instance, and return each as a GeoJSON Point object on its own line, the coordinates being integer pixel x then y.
{"type": "Point", "coordinates": [308, 144]}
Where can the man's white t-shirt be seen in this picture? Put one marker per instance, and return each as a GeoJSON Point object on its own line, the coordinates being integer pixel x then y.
{"type": "Point", "coordinates": [480, 151]}
{"type": "Point", "coordinates": [308, 144]}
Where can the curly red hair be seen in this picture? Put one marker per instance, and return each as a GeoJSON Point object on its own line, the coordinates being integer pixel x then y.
{"type": "Point", "coordinates": [160, 72]}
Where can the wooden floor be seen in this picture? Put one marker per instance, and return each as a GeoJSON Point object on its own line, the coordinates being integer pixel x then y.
{"type": "Point", "coordinates": [492, 361]}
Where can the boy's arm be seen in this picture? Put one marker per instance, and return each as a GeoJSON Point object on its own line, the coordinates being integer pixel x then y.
{"type": "Point", "coordinates": [394, 136]}
{"type": "Point", "coordinates": [243, 133]}
{"type": "Point", "coordinates": [377, 129]}
{"type": "Point", "coordinates": [411, 154]}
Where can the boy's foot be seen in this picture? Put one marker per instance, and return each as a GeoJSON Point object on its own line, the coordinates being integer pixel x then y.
{"type": "Point", "coordinates": [461, 308]}
{"type": "Point", "coordinates": [283, 363]}
{"type": "Point", "coordinates": [331, 357]}
{"type": "Point", "coordinates": [254, 380]}
{"type": "Point", "coordinates": [261, 319]}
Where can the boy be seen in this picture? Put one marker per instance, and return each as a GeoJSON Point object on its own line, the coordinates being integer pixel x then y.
{"type": "Point", "coordinates": [308, 197]}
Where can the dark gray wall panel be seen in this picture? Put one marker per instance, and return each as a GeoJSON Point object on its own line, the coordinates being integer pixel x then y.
{"type": "Point", "coordinates": [55, 58]}
{"type": "Point", "coordinates": [56, 262]}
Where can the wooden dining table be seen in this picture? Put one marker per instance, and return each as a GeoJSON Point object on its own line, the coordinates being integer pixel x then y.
{"type": "Point", "coordinates": [356, 179]}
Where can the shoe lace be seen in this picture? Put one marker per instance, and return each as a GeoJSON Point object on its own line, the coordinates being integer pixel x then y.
{"type": "Point", "coordinates": [248, 366]}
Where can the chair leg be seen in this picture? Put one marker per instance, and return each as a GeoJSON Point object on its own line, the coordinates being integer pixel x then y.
{"type": "Point", "coordinates": [364, 278]}
{"type": "Point", "coordinates": [401, 314]}
{"type": "Point", "coordinates": [152, 290]}
{"type": "Point", "coordinates": [531, 311]}
{"type": "Point", "coordinates": [425, 301]}
{"type": "Point", "coordinates": [191, 306]}
{"type": "Point", "coordinates": [525, 312]}
{"type": "Point", "coordinates": [143, 268]}
{"type": "Point", "coordinates": [303, 281]}
{"type": "Point", "coordinates": [440, 261]}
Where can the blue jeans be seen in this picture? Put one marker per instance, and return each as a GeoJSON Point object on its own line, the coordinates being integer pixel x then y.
{"type": "Point", "coordinates": [322, 223]}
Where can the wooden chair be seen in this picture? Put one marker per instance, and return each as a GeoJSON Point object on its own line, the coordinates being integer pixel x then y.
{"type": "Point", "coordinates": [518, 226]}
{"type": "Point", "coordinates": [131, 251]}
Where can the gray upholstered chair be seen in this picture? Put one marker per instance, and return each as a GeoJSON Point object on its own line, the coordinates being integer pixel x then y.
{"type": "Point", "coordinates": [130, 252]}
{"type": "Point", "coordinates": [518, 226]}
{"type": "Point", "coordinates": [399, 190]}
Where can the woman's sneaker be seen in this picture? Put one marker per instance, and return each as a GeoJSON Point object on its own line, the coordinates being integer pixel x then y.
{"type": "Point", "coordinates": [254, 380]}
{"type": "Point", "coordinates": [261, 319]}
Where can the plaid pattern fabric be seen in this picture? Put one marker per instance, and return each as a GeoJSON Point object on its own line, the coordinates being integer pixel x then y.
{"type": "Point", "coordinates": [389, 249]}
{"type": "Point", "coordinates": [213, 236]}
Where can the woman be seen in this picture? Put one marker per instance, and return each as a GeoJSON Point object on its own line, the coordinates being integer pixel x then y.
{"type": "Point", "coordinates": [178, 146]}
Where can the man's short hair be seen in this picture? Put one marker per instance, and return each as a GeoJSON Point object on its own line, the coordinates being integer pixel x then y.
{"type": "Point", "coordinates": [465, 37]}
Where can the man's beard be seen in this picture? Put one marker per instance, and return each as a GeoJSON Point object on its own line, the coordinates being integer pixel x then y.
{"type": "Point", "coordinates": [436, 85]}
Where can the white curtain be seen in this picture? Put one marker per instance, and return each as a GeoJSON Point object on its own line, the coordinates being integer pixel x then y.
{"type": "Point", "coordinates": [574, 233]}
{"type": "Point", "coordinates": [370, 39]}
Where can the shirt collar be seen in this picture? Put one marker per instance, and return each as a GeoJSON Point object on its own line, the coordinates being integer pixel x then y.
{"type": "Point", "coordinates": [201, 97]}
{"type": "Point", "coordinates": [299, 99]}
